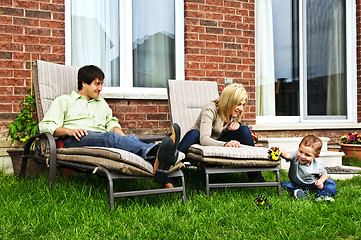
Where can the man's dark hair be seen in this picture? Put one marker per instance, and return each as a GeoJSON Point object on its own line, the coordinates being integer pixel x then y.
{"type": "Point", "coordinates": [88, 73]}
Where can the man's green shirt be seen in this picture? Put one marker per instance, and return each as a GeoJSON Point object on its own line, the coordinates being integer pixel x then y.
{"type": "Point", "coordinates": [76, 112]}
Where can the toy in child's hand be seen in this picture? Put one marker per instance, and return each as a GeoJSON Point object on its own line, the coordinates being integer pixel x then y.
{"type": "Point", "coordinates": [274, 153]}
{"type": "Point", "coordinates": [261, 201]}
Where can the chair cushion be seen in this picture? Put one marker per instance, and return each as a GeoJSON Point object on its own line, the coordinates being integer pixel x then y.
{"type": "Point", "coordinates": [50, 81]}
{"type": "Point", "coordinates": [245, 156]}
{"type": "Point", "coordinates": [112, 159]}
{"type": "Point", "coordinates": [186, 99]}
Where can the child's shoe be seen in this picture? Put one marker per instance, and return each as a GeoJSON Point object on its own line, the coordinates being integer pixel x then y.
{"type": "Point", "coordinates": [300, 194]}
{"type": "Point", "coordinates": [324, 198]}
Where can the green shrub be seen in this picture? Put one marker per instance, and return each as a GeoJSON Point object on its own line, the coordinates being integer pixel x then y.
{"type": "Point", "coordinates": [25, 124]}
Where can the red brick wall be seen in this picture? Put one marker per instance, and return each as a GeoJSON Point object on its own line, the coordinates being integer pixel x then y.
{"type": "Point", "coordinates": [142, 116]}
{"type": "Point", "coordinates": [36, 29]}
{"type": "Point", "coordinates": [27, 28]}
{"type": "Point", "coordinates": [219, 44]}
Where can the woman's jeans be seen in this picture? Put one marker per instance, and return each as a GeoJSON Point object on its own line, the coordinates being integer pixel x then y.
{"type": "Point", "coordinates": [242, 135]}
{"type": "Point", "coordinates": [112, 139]}
{"type": "Point", "coordinates": [329, 188]}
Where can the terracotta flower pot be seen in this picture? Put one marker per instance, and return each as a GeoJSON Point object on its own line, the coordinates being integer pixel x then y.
{"type": "Point", "coordinates": [32, 169]}
{"type": "Point", "coordinates": [351, 150]}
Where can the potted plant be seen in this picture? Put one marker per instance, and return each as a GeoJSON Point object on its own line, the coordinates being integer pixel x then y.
{"type": "Point", "coordinates": [21, 129]}
{"type": "Point", "coordinates": [351, 144]}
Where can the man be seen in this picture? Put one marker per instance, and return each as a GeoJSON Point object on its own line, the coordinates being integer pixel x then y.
{"type": "Point", "coordinates": [83, 118]}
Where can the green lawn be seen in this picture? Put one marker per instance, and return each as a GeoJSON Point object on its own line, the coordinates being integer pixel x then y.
{"type": "Point", "coordinates": [78, 208]}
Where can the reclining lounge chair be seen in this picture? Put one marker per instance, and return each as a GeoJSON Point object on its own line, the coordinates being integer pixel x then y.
{"type": "Point", "coordinates": [52, 80]}
{"type": "Point", "coordinates": [186, 99]}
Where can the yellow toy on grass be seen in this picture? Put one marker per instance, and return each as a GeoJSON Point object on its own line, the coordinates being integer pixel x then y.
{"type": "Point", "coordinates": [261, 201]}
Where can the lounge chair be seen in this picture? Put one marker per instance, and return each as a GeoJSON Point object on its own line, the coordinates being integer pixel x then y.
{"type": "Point", "coordinates": [186, 99]}
{"type": "Point", "coordinates": [52, 80]}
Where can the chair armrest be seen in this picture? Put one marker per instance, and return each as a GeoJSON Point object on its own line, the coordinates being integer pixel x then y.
{"type": "Point", "coordinates": [50, 144]}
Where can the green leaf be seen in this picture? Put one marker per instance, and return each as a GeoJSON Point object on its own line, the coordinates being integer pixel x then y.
{"type": "Point", "coordinates": [25, 123]}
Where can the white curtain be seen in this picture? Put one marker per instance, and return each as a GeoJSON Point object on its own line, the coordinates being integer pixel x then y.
{"type": "Point", "coordinates": [336, 94]}
{"type": "Point", "coordinates": [265, 76]}
{"type": "Point", "coordinates": [153, 42]}
{"type": "Point", "coordinates": [95, 37]}
{"type": "Point", "coordinates": [326, 57]}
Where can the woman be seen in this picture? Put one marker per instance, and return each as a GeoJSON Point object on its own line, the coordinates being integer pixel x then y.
{"type": "Point", "coordinates": [218, 124]}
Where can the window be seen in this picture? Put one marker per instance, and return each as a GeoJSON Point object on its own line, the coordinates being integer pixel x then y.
{"type": "Point", "coordinates": [305, 64]}
{"type": "Point", "coordinates": [137, 43]}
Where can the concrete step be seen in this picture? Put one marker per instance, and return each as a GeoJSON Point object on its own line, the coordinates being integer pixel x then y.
{"type": "Point", "coordinates": [329, 158]}
{"type": "Point", "coordinates": [5, 162]}
{"type": "Point", "coordinates": [343, 172]}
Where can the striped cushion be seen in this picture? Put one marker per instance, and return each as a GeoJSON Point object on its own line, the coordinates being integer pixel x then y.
{"type": "Point", "coordinates": [50, 81]}
{"type": "Point", "coordinates": [113, 159]}
{"type": "Point", "coordinates": [243, 152]}
{"type": "Point", "coordinates": [186, 99]}
{"type": "Point", "coordinates": [245, 156]}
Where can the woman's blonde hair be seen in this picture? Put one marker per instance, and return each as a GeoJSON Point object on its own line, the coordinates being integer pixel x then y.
{"type": "Point", "coordinates": [231, 95]}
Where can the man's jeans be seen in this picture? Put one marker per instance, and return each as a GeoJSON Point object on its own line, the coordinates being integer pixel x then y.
{"type": "Point", "coordinates": [112, 139]}
{"type": "Point", "coordinates": [329, 188]}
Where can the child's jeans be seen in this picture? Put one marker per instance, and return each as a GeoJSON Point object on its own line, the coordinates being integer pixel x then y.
{"type": "Point", "coordinates": [329, 188]}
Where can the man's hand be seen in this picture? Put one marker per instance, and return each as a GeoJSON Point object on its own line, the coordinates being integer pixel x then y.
{"type": "Point", "coordinates": [118, 130]}
{"type": "Point", "coordinates": [233, 126]}
{"type": "Point", "coordinates": [76, 133]}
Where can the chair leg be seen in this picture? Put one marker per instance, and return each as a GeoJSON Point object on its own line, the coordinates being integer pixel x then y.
{"type": "Point", "coordinates": [52, 174]}
{"type": "Point", "coordinates": [207, 183]}
{"type": "Point", "coordinates": [184, 190]}
{"type": "Point", "coordinates": [24, 163]}
{"type": "Point", "coordinates": [111, 189]}
{"type": "Point", "coordinates": [278, 181]}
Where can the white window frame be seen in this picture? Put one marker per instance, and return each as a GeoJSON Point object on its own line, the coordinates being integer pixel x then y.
{"type": "Point", "coordinates": [351, 75]}
{"type": "Point", "coordinates": [126, 89]}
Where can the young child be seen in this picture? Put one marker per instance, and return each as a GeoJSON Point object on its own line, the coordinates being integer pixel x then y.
{"type": "Point", "coordinates": [306, 173]}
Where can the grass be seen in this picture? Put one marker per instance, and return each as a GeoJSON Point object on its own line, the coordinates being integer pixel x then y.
{"type": "Point", "coordinates": [351, 161]}
{"type": "Point", "coordinates": [78, 208]}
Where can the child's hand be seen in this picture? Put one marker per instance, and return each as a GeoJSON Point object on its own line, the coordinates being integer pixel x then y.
{"type": "Point", "coordinates": [275, 148]}
{"type": "Point", "coordinates": [319, 183]}
{"type": "Point", "coordinates": [274, 153]}
{"type": "Point", "coordinates": [282, 153]}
